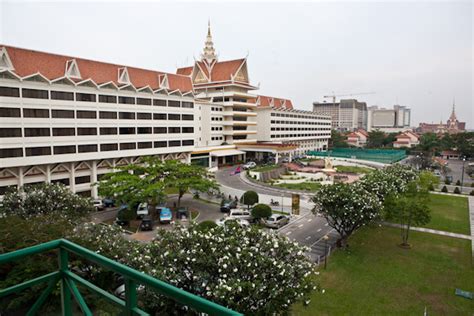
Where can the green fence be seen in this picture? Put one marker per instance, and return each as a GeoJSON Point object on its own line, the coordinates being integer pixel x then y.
{"type": "Point", "coordinates": [68, 281]}
{"type": "Point", "coordinates": [377, 155]}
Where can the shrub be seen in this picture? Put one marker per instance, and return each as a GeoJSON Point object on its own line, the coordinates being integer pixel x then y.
{"type": "Point", "coordinates": [261, 211]}
{"type": "Point", "coordinates": [447, 182]}
{"type": "Point", "coordinates": [431, 187]}
{"type": "Point", "coordinates": [472, 192]}
{"type": "Point", "coordinates": [206, 226]}
{"type": "Point", "coordinates": [249, 198]}
{"type": "Point", "coordinates": [458, 182]}
{"type": "Point", "coordinates": [126, 215]}
{"type": "Point", "coordinates": [472, 185]}
{"type": "Point", "coordinates": [456, 190]}
{"type": "Point", "coordinates": [444, 189]}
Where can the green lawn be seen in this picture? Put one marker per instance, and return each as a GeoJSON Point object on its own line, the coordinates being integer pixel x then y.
{"type": "Point", "coordinates": [376, 277]}
{"type": "Point", "coordinates": [265, 168]}
{"type": "Point", "coordinates": [449, 213]}
{"type": "Point", "coordinates": [304, 186]}
{"type": "Point", "coordinates": [353, 169]}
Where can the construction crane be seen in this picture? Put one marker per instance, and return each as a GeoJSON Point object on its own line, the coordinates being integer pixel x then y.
{"type": "Point", "coordinates": [333, 96]}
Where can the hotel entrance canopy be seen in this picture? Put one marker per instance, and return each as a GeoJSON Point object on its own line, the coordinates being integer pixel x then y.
{"type": "Point", "coordinates": [227, 152]}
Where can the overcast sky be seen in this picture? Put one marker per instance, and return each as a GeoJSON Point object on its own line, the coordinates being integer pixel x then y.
{"type": "Point", "coordinates": [418, 54]}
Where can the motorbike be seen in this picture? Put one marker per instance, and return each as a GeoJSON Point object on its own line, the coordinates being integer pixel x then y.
{"type": "Point", "coordinates": [274, 203]}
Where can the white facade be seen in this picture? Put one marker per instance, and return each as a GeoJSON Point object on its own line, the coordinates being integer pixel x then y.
{"type": "Point", "coordinates": [389, 120]}
{"type": "Point", "coordinates": [346, 115]}
{"type": "Point", "coordinates": [308, 130]}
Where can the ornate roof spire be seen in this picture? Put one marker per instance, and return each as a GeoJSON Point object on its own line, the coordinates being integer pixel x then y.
{"type": "Point", "coordinates": [453, 117]}
{"type": "Point", "coordinates": [209, 53]}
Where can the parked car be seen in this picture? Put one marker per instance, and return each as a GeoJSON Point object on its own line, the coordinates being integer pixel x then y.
{"type": "Point", "coordinates": [225, 220]}
{"type": "Point", "coordinates": [99, 206]}
{"type": "Point", "coordinates": [147, 223]}
{"type": "Point", "coordinates": [250, 165]}
{"type": "Point", "coordinates": [277, 221]}
{"type": "Point", "coordinates": [108, 202]}
{"type": "Point", "coordinates": [227, 206]}
{"type": "Point", "coordinates": [142, 210]}
{"type": "Point", "coordinates": [119, 219]}
{"type": "Point", "coordinates": [182, 213]}
{"type": "Point", "coordinates": [240, 214]}
{"type": "Point", "coordinates": [165, 215]}
{"type": "Point", "coordinates": [285, 160]}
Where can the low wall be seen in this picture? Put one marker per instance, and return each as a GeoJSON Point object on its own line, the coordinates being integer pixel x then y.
{"type": "Point", "coordinates": [268, 175]}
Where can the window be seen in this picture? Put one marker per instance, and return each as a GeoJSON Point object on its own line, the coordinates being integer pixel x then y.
{"type": "Point", "coordinates": [174, 130]}
{"type": "Point", "coordinates": [60, 150]}
{"type": "Point", "coordinates": [64, 181]}
{"type": "Point", "coordinates": [174, 143]}
{"type": "Point", "coordinates": [176, 117]}
{"type": "Point", "coordinates": [188, 142]}
{"type": "Point", "coordinates": [9, 112]}
{"type": "Point", "coordinates": [174, 104]}
{"type": "Point", "coordinates": [108, 115]}
{"type": "Point", "coordinates": [144, 130]}
{"type": "Point", "coordinates": [107, 98]}
{"type": "Point", "coordinates": [85, 97]}
{"type": "Point", "coordinates": [143, 101]}
{"type": "Point", "coordinates": [36, 113]}
{"type": "Point", "coordinates": [127, 115]}
{"type": "Point", "coordinates": [9, 92]}
{"type": "Point", "coordinates": [158, 102]}
{"type": "Point", "coordinates": [37, 132]}
{"type": "Point", "coordinates": [188, 105]}
{"type": "Point", "coordinates": [10, 132]}
{"type": "Point", "coordinates": [86, 131]}
{"type": "Point", "coordinates": [159, 130]}
{"type": "Point", "coordinates": [38, 151]}
{"type": "Point", "coordinates": [144, 116]}
{"type": "Point", "coordinates": [7, 188]}
{"type": "Point", "coordinates": [86, 114]}
{"type": "Point", "coordinates": [61, 95]}
{"type": "Point", "coordinates": [126, 131]}
{"type": "Point", "coordinates": [159, 116]}
{"type": "Point", "coordinates": [66, 131]}
{"type": "Point", "coordinates": [160, 144]}
{"type": "Point", "coordinates": [187, 117]}
{"type": "Point", "coordinates": [62, 114]}
{"type": "Point", "coordinates": [35, 94]}
{"type": "Point", "coordinates": [108, 147]}
{"type": "Point", "coordinates": [127, 146]}
{"type": "Point", "coordinates": [188, 129]}
{"type": "Point", "coordinates": [11, 152]}
{"type": "Point", "coordinates": [86, 148]}
{"type": "Point", "coordinates": [126, 100]}
{"type": "Point", "coordinates": [108, 131]}
{"type": "Point", "coordinates": [83, 179]}
{"type": "Point", "coordinates": [143, 145]}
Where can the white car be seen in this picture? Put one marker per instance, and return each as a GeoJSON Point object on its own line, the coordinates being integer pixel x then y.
{"type": "Point", "coordinates": [240, 214]}
{"type": "Point", "coordinates": [142, 210]}
{"type": "Point", "coordinates": [225, 220]}
{"type": "Point", "coordinates": [250, 165]}
{"type": "Point", "coordinates": [99, 206]}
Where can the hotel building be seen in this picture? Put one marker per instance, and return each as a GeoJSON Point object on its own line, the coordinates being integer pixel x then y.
{"type": "Point", "coordinates": [71, 120]}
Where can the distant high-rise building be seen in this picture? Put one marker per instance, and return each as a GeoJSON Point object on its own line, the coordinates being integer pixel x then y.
{"type": "Point", "coordinates": [389, 120]}
{"type": "Point", "coordinates": [347, 115]}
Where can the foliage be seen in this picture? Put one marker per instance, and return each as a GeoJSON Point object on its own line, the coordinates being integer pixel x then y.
{"type": "Point", "coordinates": [472, 192]}
{"type": "Point", "coordinates": [127, 214]}
{"type": "Point", "coordinates": [458, 182]}
{"type": "Point", "coordinates": [354, 169]}
{"type": "Point", "coordinates": [444, 189]}
{"type": "Point", "coordinates": [411, 207]}
{"type": "Point", "coordinates": [376, 139]}
{"type": "Point", "coordinates": [206, 225]}
{"type": "Point", "coordinates": [261, 211]}
{"type": "Point", "coordinates": [346, 207]}
{"type": "Point", "coordinates": [456, 190]}
{"type": "Point", "coordinates": [447, 181]}
{"type": "Point", "coordinates": [337, 140]}
{"type": "Point", "coordinates": [429, 143]}
{"type": "Point", "coordinates": [246, 269]}
{"type": "Point", "coordinates": [249, 198]}
{"type": "Point", "coordinates": [303, 186]}
{"type": "Point", "coordinates": [45, 198]}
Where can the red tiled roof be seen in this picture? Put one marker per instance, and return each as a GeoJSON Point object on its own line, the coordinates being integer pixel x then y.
{"type": "Point", "coordinates": [52, 66]}
{"type": "Point", "coordinates": [220, 71]}
{"type": "Point", "coordinates": [277, 102]}
{"type": "Point", "coordinates": [186, 71]}
{"type": "Point", "coordinates": [363, 132]}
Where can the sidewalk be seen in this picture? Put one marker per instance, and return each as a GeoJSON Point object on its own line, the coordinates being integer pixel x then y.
{"type": "Point", "coordinates": [432, 231]}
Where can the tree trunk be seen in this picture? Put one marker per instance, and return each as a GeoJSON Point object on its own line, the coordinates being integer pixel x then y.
{"type": "Point", "coordinates": [180, 195]}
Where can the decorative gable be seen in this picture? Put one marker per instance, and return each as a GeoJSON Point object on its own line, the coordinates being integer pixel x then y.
{"type": "Point", "coordinates": [242, 74]}
{"type": "Point", "coordinates": [123, 77]}
{"type": "Point", "coordinates": [199, 77]}
{"type": "Point", "coordinates": [72, 70]}
{"type": "Point", "coordinates": [5, 61]}
{"type": "Point", "coordinates": [163, 80]}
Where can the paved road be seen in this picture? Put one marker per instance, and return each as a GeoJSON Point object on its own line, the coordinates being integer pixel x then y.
{"type": "Point", "coordinates": [455, 167]}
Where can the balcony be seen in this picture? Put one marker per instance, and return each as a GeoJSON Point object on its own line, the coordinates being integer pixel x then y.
{"type": "Point", "coordinates": [239, 123]}
{"type": "Point", "coordinates": [69, 281]}
{"type": "Point", "coordinates": [238, 113]}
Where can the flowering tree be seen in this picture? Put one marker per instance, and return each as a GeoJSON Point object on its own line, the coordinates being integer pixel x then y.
{"type": "Point", "coordinates": [245, 269]}
{"type": "Point", "coordinates": [346, 207]}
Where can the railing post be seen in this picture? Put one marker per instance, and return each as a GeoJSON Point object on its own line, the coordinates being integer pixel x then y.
{"type": "Point", "coordinates": [66, 304]}
{"type": "Point", "coordinates": [130, 296]}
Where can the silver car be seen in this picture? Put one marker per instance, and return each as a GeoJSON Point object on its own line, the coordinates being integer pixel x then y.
{"type": "Point", "coordinates": [277, 221]}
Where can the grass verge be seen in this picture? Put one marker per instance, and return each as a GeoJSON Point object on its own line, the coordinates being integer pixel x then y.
{"type": "Point", "coordinates": [449, 213]}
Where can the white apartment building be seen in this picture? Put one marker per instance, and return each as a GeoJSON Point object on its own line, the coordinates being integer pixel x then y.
{"type": "Point", "coordinates": [346, 115]}
{"type": "Point", "coordinates": [70, 120]}
{"type": "Point", "coordinates": [389, 120]}
{"type": "Point", "coordinates": [307, 130]}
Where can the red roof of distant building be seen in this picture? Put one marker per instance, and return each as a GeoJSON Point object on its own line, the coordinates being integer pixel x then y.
{"type": "Point", "coordinates": [219, 71]}
{"type": "Point", "coordinates": [52, 66]}
{"type": "Point", "coordinates": [264, 101]}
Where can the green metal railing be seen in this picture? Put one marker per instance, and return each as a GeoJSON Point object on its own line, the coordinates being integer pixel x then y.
{"type": "Point", "coordinates": [68, 281]}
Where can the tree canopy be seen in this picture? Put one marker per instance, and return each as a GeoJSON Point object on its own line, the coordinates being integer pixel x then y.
{"type": "Point", "coordinates": [261, 211]}
{"type": "Point", "coordinates": [249, 198]}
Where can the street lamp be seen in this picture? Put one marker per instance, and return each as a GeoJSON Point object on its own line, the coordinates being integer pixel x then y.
{"type": "Point", "coordinates": [325, 250]}
{"type": "Point", "coordinates": [462, 173]}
